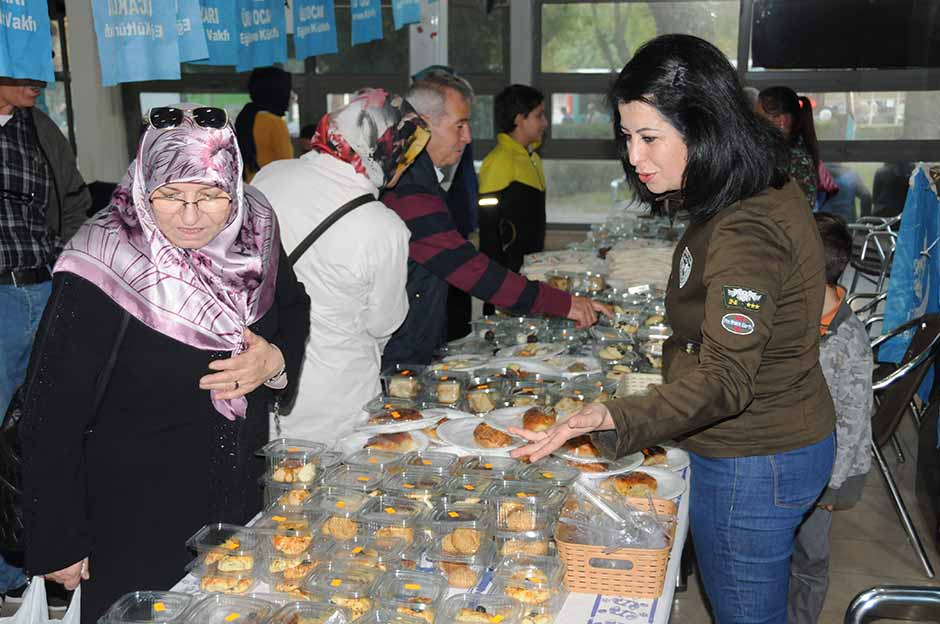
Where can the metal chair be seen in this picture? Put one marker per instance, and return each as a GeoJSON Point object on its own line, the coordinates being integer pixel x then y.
{"type": "Point", "coordinates": [895, 602]}
{"type": "Point", "coordinates": [894, 387]}
{"type": "Point", "coordinates": [874, 240]}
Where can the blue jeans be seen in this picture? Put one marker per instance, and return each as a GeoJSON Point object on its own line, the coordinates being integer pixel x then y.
{"type": "Point", "coordinates": [744, 512]}
{"type": "Point", "coordinates": [21, 309]}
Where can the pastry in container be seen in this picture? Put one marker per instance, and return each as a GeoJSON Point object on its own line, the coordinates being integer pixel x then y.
{"type": "Point", "coordinates": [538, 542]}
{"type": "Point", "coordinates": [528, 394]}
{"type": "Point", "coordinates": [292, 461]}
{"type": "Point", "coordinates": [225, 548]}
{"type": "Point", "coordinates": [552, 473]}
{"type": "Point", "coordinates": [390, 516]}
{"type": "Point", "coordinates": [487, 327]}
{"type": "Point", "coordinates": [374, 459]}
{"type": "Point", "coordinates": [534, 582]}
{"type": "Point", "coordinates": [562, 280]}
{"type": "Point", "coordinates": [462, 571]}
{"type": "Point", "coordinates": [444, 388]}
{"type": "Point", "coordinates": [369, 551]}
{"type": "Point", "coordinates": [285, 573]}
{"type": "Point", "coordinates": [526, 330]}
{"type": "Point", "coordinates": [415, 594]}
{"type": "Point", "coordinates": [461, 528]}
{"type": "Point", "coordinates": [288, 533]}
{"type": "Point", "coordinates": [149, 606]}
{"type": "Point", "coordinates": [227, 609]}
{"type": "Point", "coordinates": [417, 485]}
{"type": "Point", "coordinates": [484, 397]}
{"type": "Point", "coordinates": [344, 586]}
{"type": "Point", "coordinates": [356, 478]}
{"type": "Point", "coordinates": [388, 615]}
{"type": "Point", "coordinates": [524, 506]}
{"type": "Point", "coordinates": [212, 580]}
{"type": "Point", "coordinates": [403, 381]}
{"type": "Point", "coordinates": [480, 609]}
{"type": "Point", "coordinates": [308, 613]}
{"type": "Point", "coordinates": [614, 351]}
{"type": "Point", "coordinates": [467, 488]}
{"type": "Point", "coordinates": [340, 509]}
{"type": "Point", "coordinates": [430, 461]}
{"type": "Point", "coordinates": [286, 494]}
{"type": "Point", "coordinates": [491, 467]}
{"type": "Point", "coordinates": [394, 415]}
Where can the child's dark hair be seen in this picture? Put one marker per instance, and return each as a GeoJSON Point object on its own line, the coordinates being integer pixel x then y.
{"type": "Point", "coordinates": [514, 100]}
{"type": "Point", "coordinates": [784, 100]}
{"type": "Point", "coordinates": [837, 244]}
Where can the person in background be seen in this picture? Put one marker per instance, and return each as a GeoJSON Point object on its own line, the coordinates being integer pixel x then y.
{"type": "Point", "coordinates": [889, 188]}
{"type": "Point", "coordinates": [356, 271]}
{"type": "Point", "coordinates": [261, 130]}
{"type": "Point", "coordinates": [462, 203]}
{"type": "Point", "coordinates": [846, 359]}
{"type": "Point", "coordinates": [793, 116]}
{"type": "Point", "coordinates": [306, 138]}
{"type": "Point", "coordinates": [438, 254]}
{"type": "Point", "coordinates": [850, 187]}
{"type": "Point", "coordinates": [753, 95]}
{"type": "Point", "coordinates": [744, 389]}
{"type": "Point", "coordinates": [512, 180]}
{"type": "Point", "coordinates": [188, 260]}
{"type": "Point", "coordinates": [43, 201]}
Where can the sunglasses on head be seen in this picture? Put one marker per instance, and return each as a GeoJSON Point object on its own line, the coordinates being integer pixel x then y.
{"type": "Point", "coordinates": [204, 116]}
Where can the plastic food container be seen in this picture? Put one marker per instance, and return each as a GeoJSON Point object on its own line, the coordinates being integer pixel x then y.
{"type": "Point", "coordinates": [486, 328]}
{"type": "Point", "coordinates": [375, 460]}
{"type": "Point", "coordinates": [469, 607]}
{"type": "Point", "coordinates": [288, 533]}
{"type": "Point", "coordinates": [429, 461]}
{"type": "Point", "coordinates": [388, 615]}
{"type": "Point", "coordinates": [534, 582]}
{"type": "Point", "coordinates": [444, 388]}
{"type": "Point", "coordinates": [286, 494]}
{"type": "Point", "coordinates": [228, 609]}
{"type": "Point", "coordinates": [590, 283]}
{"type": "Point", "coordinates": [523, 542]}
{"type": "Point", "coordinates": [292, 461]}
{"type": "Point", "coordinates": [374, 553]}
{"type": "Point", "coordinates": [360, 479]}
{"type": "Point", "coordinates": [485, 397]}
{"type": "Point", "coordinates": [418, 485]}
{"type": "Point", "coordinates": [224, 548]}
{"type": "Point", "coordinates": [212, 580]}
{"type": "Point", "coordinates": [416, 594]}
{"type": "Point", "coordinates": [526, 330]}
{"type": "Point", "coordinates": [653, 351]}
{"type": "Point", "coordinates": [393, 415]}
{"type": "Point", "coordinates": [340, 509]}
{"type": "Point", "coordinates": [528, 394]}
{"type": "Point", "coordinates": [285, 574]}
{"type": "Point", "coordinates": [492, 375]}
{"type": "Point", "coordinates": [148, 606]}
{"type": "Point", "coordinates": [523, 506]}
{"type": "Point", "coordinates": [556, 474]}
{"type": "Point", "coordinates": [389, 516]}
{"type": "Point", "coordinates": [562, 280]}
{"type": "Point", "coordinates": [460, 529]}
{"type": "Point", "coordinates": [546, 571]}
{"type": "Point", "coordinates": [486, 466]}
{"type": "Point", "coordinates": [614, 351]}
{"type": "Point", "coordinates": [342, 585]}
{"type": "Point", "coordinates": [384, 402]}
{"type": "Point", "coordinates": [403, 381]}
{"type": "Point", "coordinates": [462, 571]}
{"type": "Point", "coordinates": [296, 612]}
{"type": "Point", "coordinates": [467, 488]}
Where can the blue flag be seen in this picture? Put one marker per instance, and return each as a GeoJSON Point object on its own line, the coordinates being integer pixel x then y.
{"type": "Point", "coordinates": [262, 34]}
{"type": "Point", "coordinates": [406, 12]}
{"type": "Point", "coordinates": [314, 28]}
{"type": "Point", "coordinates": [26, 40]}
{"type": "Point", "coordinates": [192, 36]}
{"type": "Point", "coordinates": [914, 287]}
{"type": "Point", "coordinates": [366, 20]}
{"type": "Point", "coordinates": [220, 21]}
{"type": "Point", "coordinates": [137, 40]}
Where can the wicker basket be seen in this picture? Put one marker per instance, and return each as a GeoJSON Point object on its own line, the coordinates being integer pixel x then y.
{"type": "Point", "coordinates": [636, 383]}
{"type": "Point", "coordinates": [628, 572]}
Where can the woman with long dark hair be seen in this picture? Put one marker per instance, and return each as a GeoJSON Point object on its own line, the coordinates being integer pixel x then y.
{"type": "Point", "coordinates": [793, 116]}
{"type": "Point", "coordinates": [262, 133]}
{"type": "Point", "coordinates": [743, 391]}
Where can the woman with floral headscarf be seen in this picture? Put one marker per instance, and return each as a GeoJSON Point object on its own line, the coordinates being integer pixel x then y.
{"type": "Point", "coordinates": [356, 272]}
{"type": "Point", "coordinates": [190, 258]}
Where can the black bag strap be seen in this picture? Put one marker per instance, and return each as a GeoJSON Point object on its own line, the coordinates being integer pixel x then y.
{"type": "Point", "coordinates": [326, 224]}
{"type": "Point", "coordinates": [105, 376]}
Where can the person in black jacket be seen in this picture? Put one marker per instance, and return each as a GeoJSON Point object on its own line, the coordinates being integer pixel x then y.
{"type": "Point", "coordinates": [190, 259]}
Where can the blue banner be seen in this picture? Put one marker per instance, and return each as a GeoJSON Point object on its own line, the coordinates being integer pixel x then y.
{"type": "Point", "coordinates": [406, 12]}
{"type": "Point", "coordinates": [26, 40]}
{"type": "Point", "coordinates": [192, 36]}
{"type": "Point", "coordinates": [314, 28]}
{"type": "Point", "coordinates": [262, 34]}
{"type": "Point", "coordinates": [220, 21]}
{"type": "Point", "coordinates": [136, 40]}
{"type": "Point", "coordinates": [366, 20]}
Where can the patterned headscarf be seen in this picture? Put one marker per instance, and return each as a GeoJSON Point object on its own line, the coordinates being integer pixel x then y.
{"type": "Point", "coordinates": [377, 133]}
{"type": "Point", "coordinates": [202, 297]}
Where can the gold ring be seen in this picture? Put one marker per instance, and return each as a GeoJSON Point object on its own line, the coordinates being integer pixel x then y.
{"type": "Point", "coordinates": [236, 384]}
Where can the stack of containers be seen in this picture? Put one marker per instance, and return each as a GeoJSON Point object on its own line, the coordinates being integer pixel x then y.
{"type": "Point", "coordinates": [535, 582]}
{"type": "Point", "coordinates": [525, 515]}
{"type": "Point", "coordinates": [228, 558]}
{"type": "Point", "coordinates": [294, 468]}
{"type": "Point", "coordinates": [461, 548]}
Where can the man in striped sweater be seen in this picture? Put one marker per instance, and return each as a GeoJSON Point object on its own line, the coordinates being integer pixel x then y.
{"type": "Point", "coordinates": [438, 253]}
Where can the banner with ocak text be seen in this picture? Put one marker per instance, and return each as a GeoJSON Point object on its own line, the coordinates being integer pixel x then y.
{"type": "Point", "coordinates": [220, 21]}
{"type": "Point", "coordinates": [25, 40]}
{"type": "Point", "coordinates": [192, 36]}
{"type": "Point", "coordinates": [314, 28]}
{"type": "Point", "coordinates": [366, 18]}
{"type": "Point", "coordinates": [137, 40]}
{"type": "Point", "coordinates": [406, 12]}
{"type": "Point", "coordinates": [262, 34]}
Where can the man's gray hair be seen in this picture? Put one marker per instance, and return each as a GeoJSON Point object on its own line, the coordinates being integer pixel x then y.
{"type": "Point", "coordinates": [427, 95]}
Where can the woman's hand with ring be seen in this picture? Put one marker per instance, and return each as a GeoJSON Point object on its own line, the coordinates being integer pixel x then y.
{"type": "Point", "coordinates": [593, 417]}
{"type": "Point", "coordinates": [71, 576]}
{"type": "Point", "coordinates": [244, 372]}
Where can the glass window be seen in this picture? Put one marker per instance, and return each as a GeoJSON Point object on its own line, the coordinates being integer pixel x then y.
{"type": "Point", "coordinates": [477, 40]}
{"type": "Point", "coordinates": [868, 188]}
{"type": "Point", "coordinates": [881, 115]}
{"type": "Point", "coordinates": [580, 116]}
{"type": "Point", "coordinates": [481, 117]}
{"type": "Point", "coordinates": [55, 105]}
{"type": "Point", "coordinates": [58, 59]}
{"type": "Point", "coordinates": [580, 191]}
{"type": "Point", "coordinates": [600, 37]}
{"type": "Point", "coordinates": [388, 55]}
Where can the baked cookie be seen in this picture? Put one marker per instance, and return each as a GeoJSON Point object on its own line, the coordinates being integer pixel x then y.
{"type": "Point", "coordinates": [294, 471]}
{"type": "Point", "coordinates": [357, 606]}
{"type": "Point", "coordinates": [488, 437]}
{"type": "Point", "coordinates": [528, 595]}
{"type": "Point", "coordinates": [404, 533]}
{"type": "Point", "coordinates": [516, 517]}
{"type": "Point", "coordinates": [526, 547]}
{"type": "Point", "coordinates": [459, 575]}
{"type": "Point", "coordinates": [291, 544]}
{"type": "Point", "coordinates": [614, 351]}
{"type": "Point", "coordinates": [472, 615]}
{"type": "Point", "coordinates": [421, 614]}
{"type": "Point", "coordinates": [568, 404]}
{"type": "Point", "coordinates": [461, 542]}
{"type": "Point", "coordinates": [536, 420]}
{"type": "Point", "coordinates": [294, 498]}
{"type": "Point", "coordinates": [225, 584]}
{"type": "Point", "coordinates": [342, 529]}
{"type": "Point", "coordinates": [236, 563]}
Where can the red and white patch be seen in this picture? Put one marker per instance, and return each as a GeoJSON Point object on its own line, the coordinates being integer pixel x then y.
{"type": "Point", "coordinates": [740, 324]}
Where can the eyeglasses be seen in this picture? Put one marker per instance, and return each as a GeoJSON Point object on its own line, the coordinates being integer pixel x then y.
{"type": "Point", "coordinates": [170, 117]}
{"type": "Point", "coordinates": [206, 205]}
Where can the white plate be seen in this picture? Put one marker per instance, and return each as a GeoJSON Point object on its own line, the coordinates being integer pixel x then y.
{"type": "Point", "coordinates": [562, 362]}
{"type": "Point", "coordinates": [668, 484]}
{"type": "Point", "coordinates": [676, 459]}
{"type": "Point", "coordinates": [431, 416]}
{"type": "Point", "coordinates": [506, 417]}
{"type": "Point", "coordinates": [542, 350]}
{"type": "Point", "coordinates": [467, 363]}
{"type": "Point", "coordinates": [532, 365]}
{"type": "Point", "coordinates": [357, 441]}
{"type": "Point", "coordinates": [459, 433]}
{"type": "Point", "coordinates": [618, 466]}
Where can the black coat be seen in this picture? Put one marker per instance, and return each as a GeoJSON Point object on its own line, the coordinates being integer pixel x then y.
{"type": "Point", "coordinates": [158, 462]}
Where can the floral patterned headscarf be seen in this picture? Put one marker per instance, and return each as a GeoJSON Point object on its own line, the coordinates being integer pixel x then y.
{"type": "Point", "coordinates": [202, 297]}
{"type": "Point", "coordinates": [378, 133]}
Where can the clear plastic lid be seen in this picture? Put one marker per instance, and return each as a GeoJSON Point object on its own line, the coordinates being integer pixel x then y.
{"type": "Point", "coordinates": [376, 553]}
{"type": "Point", "coordinates": [286, 494]}
{"type": "Point", "coordinates": [538, 542]}
{"type": "Point", "coordinates": [289, 447]}
{"type": "Point", "coordinates": [336, 501]}
{"type": "Point", "coordinates": [403, 381]}
{"type": "Point", "coordinates": [415, 484]}
{"type": "Point", "coordinates": [606, 333]}
{"type": "Point", "coordinates": [285, 573]}
{"type": "Point", "coordinates": [446, 517]}
{"type": "Point", "coordinates": [226, 609]}
{"type": "Point", "coordinates": [383, 402]}
{"type": "Point", "coordinates": [341, 579]}
{"type": "Point", "coordinates": [614, 351]}
{"type": "Point", "coordinates": [444, 388]}
{"type": "Point", "coordinates": [356, 478]}
{"type": "Point", "coordinates": [394, 415]}
{"type": "Point", "coordinates": [149, 606]}
{"type": "Point", "coordinates": [225, 538]}
{"type": "Point", "coordinates": [562, 280]}
{"type": "Point", "coordinates": [531, 571]}
{"type": "Point", "coordinates": [492, 375]}
{"type": "Point", "coordinates": [469, 607]}
{"type": "Point", "coordinates": [489, 466]}
{"type": "Point", "coordinates": [462, 571]}
{"type": "Point", "coordinates": [431, 461]}
{"type": "Point", "coordinates": [530, 395]}
{"type": "Point", "coordinates": [420, 593]}
{"type": "Point", "coordinates": [552, 473]}
{"type": "Point", "coordinates": [485, 397]}
{"type": "Point", "coordinates": [392, 511]}
{"type": "Point", "coordinates": [301, 612]}
{"type": "Point", "coordinates": [389, 615]}
{"type": "Point", "coordinates": [293, 461]}
{"type": "Point", "coordinates": [467, 488]}
{"type": "Point", "coordinates": [525, 506]}
{"type": "Point", "coordinates": [374, 459]}
{"type": "Point", "coordinates": [289, 533]}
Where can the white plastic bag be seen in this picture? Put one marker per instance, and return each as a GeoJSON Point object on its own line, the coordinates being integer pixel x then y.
{"type": "Point", "coordinates": [35, 609]}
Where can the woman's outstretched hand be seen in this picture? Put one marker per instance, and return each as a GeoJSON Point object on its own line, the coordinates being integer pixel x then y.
{"type": "Point", "coordinates": [593, 417]}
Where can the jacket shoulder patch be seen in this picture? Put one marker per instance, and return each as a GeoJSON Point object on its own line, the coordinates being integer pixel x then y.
{"type": "Point", "coordinates": [742, 298]}
{"type": "Point", "coordinates": [740, 324]}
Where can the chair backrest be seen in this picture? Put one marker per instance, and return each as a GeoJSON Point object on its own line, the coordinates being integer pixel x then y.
{"type": "Point", "coordinates": [895, 602]}
{"type": "Point", "coordinates": [893, 401]}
